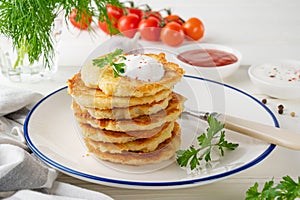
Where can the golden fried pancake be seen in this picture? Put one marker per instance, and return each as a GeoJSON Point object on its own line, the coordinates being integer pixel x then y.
{"type": "Point", "coordinates": [164, 151]}
{"type": "Point", "coordinates": [103, 135]}
{"type": "Point", "coordinates": [90, 74]}
{"type": "Point", "coordinates": [142, 145]}
{"type": "Point", "coordinates": [125, 86]}
{"type": "Point", "coordinates": [129, 119]}
{"type": "Point", "coordinates": [144, 122]}
{"type": "Point", "coordinates": [127, 113]}
{"type": "Point", "coordinates": [95, 98]}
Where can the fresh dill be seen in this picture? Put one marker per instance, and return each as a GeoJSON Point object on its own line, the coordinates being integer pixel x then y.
{"type": "Point", "coordinates": [29, 23]}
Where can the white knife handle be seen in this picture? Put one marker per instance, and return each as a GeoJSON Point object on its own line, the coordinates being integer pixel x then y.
{"type": "Point", "coordinates": [270, 134]}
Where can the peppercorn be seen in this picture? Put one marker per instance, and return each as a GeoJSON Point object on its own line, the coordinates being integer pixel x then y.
{"type": "Point", "coordinates": [280, 111]}
{"type": "Point", "coordinates": [293, 114]}
{"type": "Point", "coordinates": [280, 107]}
{"type": "Point", "coordinates": [264, 101]}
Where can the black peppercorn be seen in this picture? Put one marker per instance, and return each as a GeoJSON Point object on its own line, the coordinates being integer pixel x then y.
{"type": "Point", "coordinates": [264, 101]}
{"type": "Point", "coordinates": [280, 107]}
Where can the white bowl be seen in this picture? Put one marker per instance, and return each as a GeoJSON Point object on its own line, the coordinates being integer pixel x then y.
{"type": "Point", "coordinates": [279, 79]}
{"type": "Point", "coordinates": [219, 72]}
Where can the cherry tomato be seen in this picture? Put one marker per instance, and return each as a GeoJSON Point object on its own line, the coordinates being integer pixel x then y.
{"type": "Point", "coordinates": [173, 18]}
{"type": "Point", "coordinates": [151, 13]}
{"type": "Point", "coordinates": [145, 13]}
{"type": "Point", "coordinates": [193, 28]}
{"type": "Point", "coordinates": [128, 25]}
{"type": "Point", "coordinates": [114, 13]}
{"type": "Point", "coordinates": [172, 34]}
{"type": "Point", "coordinates": [105, 27]}
{"type": "Point", "coordinates": [150, 29]}
{"type": "Point", "coordinates": [136, 11]}
{"type": "Point", "coordinates": [82, 23]}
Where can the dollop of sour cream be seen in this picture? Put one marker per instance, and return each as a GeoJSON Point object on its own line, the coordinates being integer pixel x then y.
{"type": "Point", "coordinates": [142, 67]}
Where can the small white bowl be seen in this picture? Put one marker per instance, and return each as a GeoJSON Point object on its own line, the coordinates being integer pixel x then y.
{"type": "Point", "coordinates": [219, 72]}
{"type": "Point", "coordinates": [279, 79]}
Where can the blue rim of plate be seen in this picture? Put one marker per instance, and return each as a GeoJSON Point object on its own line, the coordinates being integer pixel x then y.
{"type": "Point", "coordinates": [136, 183]}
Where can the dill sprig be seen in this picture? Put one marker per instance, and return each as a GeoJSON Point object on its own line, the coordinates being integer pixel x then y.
{"type": "Point", "coordinates": [29, 23]}
{"type": "Point", "coordinates": [110, 59]}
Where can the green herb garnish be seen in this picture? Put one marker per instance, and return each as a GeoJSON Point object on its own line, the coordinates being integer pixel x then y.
{"type": "Point", "coordinates": [287, 189]}
{"type": "Point", "coordinates": [207, 141]}
{"type": "Point", "coordinates": [110, 59]}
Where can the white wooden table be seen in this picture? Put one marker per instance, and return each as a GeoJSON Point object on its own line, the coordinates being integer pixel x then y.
{"type": "Point", "coordinates": [260, 30]}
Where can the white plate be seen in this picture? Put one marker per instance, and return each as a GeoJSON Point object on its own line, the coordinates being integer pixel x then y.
{"type": "Point", "coordinates": [51, 134]}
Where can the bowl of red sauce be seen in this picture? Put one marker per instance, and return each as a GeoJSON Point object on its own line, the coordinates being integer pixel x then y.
{"type": "Point", "coordinates": [209, 60]}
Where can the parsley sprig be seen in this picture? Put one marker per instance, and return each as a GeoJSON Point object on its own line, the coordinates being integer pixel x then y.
{"type": "Point", "coordinates": [286, 189]}
{"type": "Point", "coordinates": [207, 142]}
{"type": "Point", "coordinates": [110, 59]}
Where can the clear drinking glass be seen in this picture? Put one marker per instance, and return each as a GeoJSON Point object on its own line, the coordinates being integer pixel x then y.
{"type": "Point", "coordinates": [27, 72]}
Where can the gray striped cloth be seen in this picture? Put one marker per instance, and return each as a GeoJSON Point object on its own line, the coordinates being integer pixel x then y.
{"type": "Point", "coordinates": [23, 175]}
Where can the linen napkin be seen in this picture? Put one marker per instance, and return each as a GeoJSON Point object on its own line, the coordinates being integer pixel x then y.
{"type": "Point", "coordinates": [23, 175]}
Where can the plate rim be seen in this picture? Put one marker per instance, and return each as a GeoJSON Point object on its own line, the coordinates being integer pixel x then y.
{"type": "Point", "coordinates": [166, 184]}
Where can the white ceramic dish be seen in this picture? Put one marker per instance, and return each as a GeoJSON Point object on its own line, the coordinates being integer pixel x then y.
{"type": "Point", "coordinates": [51, 134]}
{"type": "Point", "coordinates": [279, 79]}
{"type": "Point", "coordinates": [215, 73]}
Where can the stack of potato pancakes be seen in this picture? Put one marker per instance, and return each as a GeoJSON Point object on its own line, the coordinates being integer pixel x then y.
{"type": "Point", "coordinates": [126, 119]}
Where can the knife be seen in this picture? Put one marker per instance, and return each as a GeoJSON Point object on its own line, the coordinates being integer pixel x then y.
{"type": "Point", "coordinates": [279, 136]}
